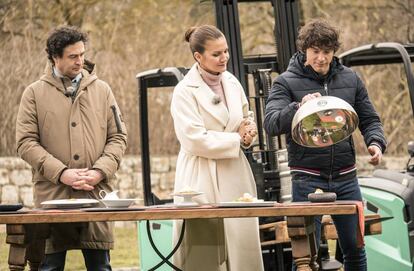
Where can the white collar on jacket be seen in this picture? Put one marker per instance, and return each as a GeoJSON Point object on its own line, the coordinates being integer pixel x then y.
{"type": "Point", "coordinates": [205, 96]}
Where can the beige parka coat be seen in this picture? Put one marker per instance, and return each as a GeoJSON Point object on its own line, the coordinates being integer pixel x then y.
{"type": "Point", "coordinates": [211, 161]}
{"type": "Point", "coordinates": [53, 133]}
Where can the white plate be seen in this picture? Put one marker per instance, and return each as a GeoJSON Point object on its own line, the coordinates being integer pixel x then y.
{"type": "Point", "coordinates": [186, 204]}
{"type": "Point", "coordinates": [114, 209]}
{"type": "Point", "coordinates": [186, 194]}
{"type": "Point", "coordinates": [174, 205]}
{"type": "Point", "coordinates": [69, 203]}
{"type": "Point", "coordinates": [246, 204]}
{"type": "Point", "coordinates": [118, 203]}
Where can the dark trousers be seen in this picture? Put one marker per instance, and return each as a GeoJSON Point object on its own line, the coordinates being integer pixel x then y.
{"type": "Point", "coordinates": [346, 225]}
{"type": "Point", "coordinates": [95, 259]}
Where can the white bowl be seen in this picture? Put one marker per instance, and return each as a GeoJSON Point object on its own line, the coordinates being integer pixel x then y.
{"type": "Point", "coordinates": [187, 196]}
{"type": "Point", "coordinates": [118, 203]}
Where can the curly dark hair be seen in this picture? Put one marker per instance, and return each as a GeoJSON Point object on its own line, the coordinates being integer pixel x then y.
{"type": "Point", "coordinates": [318, 33]}
{"type": "Point", "coordinates": [62, 37]}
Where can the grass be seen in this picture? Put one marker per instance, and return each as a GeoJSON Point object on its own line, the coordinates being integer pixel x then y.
{"type": "Point", "coordinates": [125, 253]}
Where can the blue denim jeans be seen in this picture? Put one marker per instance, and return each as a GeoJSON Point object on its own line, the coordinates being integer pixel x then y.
{"type": "Point", "coordinates": [346, 225]}
{"type": "Point", "coordinates": [95, 259]}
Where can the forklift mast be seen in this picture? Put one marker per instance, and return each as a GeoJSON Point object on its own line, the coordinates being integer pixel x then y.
{"type": "Point", "coordinates": [285, 33]}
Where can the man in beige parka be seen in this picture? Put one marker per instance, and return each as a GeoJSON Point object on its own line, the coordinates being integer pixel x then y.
{"type": "Point", "coordinates": [70, 130]}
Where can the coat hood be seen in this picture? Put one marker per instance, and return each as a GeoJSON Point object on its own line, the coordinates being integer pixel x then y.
{"type": "Point", "coordinates": [88, 76]}
{"type": "Point", "coordinates": [297, 66]}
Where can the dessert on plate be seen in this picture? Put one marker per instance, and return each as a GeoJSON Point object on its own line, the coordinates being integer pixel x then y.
{"type": "Point", "coordinates": [187, 190]}
{"type": "Point", "coordinates": [247, 198]}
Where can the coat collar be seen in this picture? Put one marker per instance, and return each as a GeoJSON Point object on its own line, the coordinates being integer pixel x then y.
{"type": "Point", "coordinates": [88, 76]}
{"type": "Point", "coordinates": [297, 66]}
{"type": "Point", "coordinates": [205, 96]}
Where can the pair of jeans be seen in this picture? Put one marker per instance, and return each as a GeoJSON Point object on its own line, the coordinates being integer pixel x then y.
{"type": "Point", "coordinates": [346, 225]}
{"type": "Point", "coordinates": [95, 259]}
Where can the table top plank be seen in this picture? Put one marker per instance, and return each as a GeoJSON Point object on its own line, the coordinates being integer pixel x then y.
{"type": "Point", "coordinates": [70, 216]}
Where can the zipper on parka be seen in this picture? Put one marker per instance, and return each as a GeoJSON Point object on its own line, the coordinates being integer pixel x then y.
{"type": "Point", "coordinates": [325, 88]}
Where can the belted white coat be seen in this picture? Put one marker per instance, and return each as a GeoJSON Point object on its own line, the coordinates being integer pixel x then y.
{"type": "Point", "coordinates": [211, 161]}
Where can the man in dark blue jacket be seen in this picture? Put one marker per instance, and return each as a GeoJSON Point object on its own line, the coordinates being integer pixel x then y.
{"type": "Point", "coordinates": [314, 71]}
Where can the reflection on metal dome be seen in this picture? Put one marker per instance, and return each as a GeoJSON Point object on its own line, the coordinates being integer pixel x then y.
{"type": "Point", "coordinates": [323, 121]}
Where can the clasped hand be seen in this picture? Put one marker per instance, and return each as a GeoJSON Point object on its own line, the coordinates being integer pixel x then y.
{"type": "Point", "coordinates": [247, 131]}
{"type": "Point", "coordinates": [81, 178]}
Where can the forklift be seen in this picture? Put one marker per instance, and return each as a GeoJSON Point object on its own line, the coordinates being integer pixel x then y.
{"type": "Point", "coordinates": [389, 193]}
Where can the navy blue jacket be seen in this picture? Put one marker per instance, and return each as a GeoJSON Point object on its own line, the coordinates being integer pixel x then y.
{"type": "Point", "coordinates": [289, 88]}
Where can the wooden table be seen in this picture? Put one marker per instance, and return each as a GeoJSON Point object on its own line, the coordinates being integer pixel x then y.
{"type": "Point", "coordinates": [25, 230]}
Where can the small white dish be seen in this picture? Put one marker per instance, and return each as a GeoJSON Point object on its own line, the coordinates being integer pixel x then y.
{"type": "Point", "coordinates": [118, 203]}
{"type": "Point", "coordinates": [187, 196]}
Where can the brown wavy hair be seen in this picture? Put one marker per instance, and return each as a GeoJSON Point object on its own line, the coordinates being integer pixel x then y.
{"type": "Point", "coordinates": [318, 33]}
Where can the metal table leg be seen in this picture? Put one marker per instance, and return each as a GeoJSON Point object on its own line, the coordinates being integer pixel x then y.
{"type": "Point", "coordinates": [165, 259]}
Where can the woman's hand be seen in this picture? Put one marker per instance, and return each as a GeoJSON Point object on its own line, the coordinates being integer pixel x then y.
{"type": "Point", "coordinates": [251, 126]}
{"type": "Point", "coordinates": [247, 131]}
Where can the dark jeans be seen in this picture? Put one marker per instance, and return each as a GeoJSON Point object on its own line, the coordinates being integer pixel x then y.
{"type": "Point", "coordinates": [95, 259]}
{"type": "Point", "coordinates": [346, 225]}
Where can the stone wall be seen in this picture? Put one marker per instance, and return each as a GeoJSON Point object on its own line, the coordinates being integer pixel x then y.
{"type": "Point", "coordinates": [16, 179]}
{"type": "Point", "coordinates": [16, 184]}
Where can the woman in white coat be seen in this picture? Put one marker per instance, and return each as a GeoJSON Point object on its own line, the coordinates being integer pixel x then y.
{"type": "Point", "coordinates": [210, 113]}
